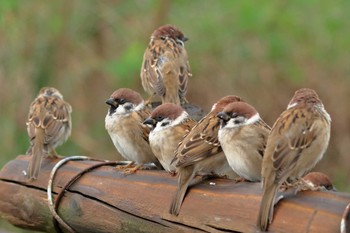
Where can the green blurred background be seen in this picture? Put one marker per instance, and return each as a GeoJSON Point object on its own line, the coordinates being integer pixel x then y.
{"type": "Point", "coordinates": [260, 50]}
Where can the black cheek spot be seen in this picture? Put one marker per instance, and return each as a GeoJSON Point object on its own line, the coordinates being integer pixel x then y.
{"type": "Point", "coordinates": [128, 107]}
{"type": "Point", "coordinates": [165, 124]}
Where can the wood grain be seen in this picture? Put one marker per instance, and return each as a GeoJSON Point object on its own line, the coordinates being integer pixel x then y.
{"type": "Point", "coordinates": [106, 200]}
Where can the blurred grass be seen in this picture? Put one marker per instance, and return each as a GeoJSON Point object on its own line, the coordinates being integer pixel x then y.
{"type": "Point", "coordinates": [262, 51]}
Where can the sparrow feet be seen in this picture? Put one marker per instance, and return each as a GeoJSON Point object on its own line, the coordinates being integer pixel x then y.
{"type": "Point", "coordinates": [132, 170]}
{"type": "Point", "coordinates": [240, 179]}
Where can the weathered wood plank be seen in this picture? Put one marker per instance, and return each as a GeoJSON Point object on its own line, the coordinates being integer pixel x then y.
{"type": "Point", "coordinates": [105, 200]}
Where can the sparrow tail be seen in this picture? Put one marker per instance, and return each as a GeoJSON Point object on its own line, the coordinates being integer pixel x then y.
{"type": "Point", "coordinates": [266, 207]}
{"type": "Point", "coordinates": [185, 176]}
{"type": "Point", "coordinates": [37, 154]}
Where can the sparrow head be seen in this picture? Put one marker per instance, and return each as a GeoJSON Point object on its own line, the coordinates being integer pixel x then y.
{"type": "Point", "coordinates": [169, 31]}
{"type": "Point", "coordinates": [166, 115]}
{"type": "Point", "coordinates": [50, 91]}
{"type": "Point", "coordinates": [305, 96]}
{"type": "Point", "coordinates": [223, 102]}
{"type": "Point", "coordinates": [123, 101]}
{"type": "Point", "coordinates": [237, 114]}
{"type": "Point", "coordinates": [319, 179]}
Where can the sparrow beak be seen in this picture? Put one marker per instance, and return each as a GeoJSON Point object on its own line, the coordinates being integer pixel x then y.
{"type": "Point", "coordinates": [184, 39]}
{"type": "Point", "coordinates": [150, 121]}
{"type": "Point", "coordinates": [223, 116]}
{"type": "Point", "coordinates": [112, 102]}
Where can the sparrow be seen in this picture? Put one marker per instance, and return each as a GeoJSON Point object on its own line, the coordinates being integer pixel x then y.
{"type": "Point", "coordinates": [124, 124]}
{"type": "Point", "coordinates": [169, 123]}
{"type": "Point", "coordinates": [242, 136]}
{"type": "Point", "coordinates": [165, 68]}
{"type": "Point", "coordinates": [200, 152]}
{"type": "Point", "coordinates": [297, 141]}
{"type": "Point", "coordinates": [49, 125]}
{"type": "Point", "coordinates": [317, 181]}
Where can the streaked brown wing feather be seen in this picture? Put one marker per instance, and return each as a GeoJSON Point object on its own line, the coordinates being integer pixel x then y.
{"type": "Point", "coordinates": [200, 143]}
{"type": "Point", "coordinates": [291, 138]}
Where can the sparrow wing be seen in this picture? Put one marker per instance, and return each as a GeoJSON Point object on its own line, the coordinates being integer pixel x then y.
{"type": "Point", "coordinates": [200, 143]}
{"type": "Point", "coordinates": [295, 130]}
{"type": "Point", "coordinates": [149, 71]}
{"type": "Point", "coordinates": [142, 115]}
{"type": "Point", "coordinates": [263, 130]}
{"type": "Point", "coordinates": [51, 114]}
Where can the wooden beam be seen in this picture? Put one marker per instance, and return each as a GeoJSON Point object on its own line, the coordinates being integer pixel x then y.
{"type": "Point", "coordinates": [106, 200]}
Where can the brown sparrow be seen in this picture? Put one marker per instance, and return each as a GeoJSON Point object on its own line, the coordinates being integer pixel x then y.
{"type": "Point", "coordinates": [200, 152]}
{"type": "Point", "coordinates": [165, 69]}
{"type": "Point", "coordinates": [296, 143]}
{"type": "Point", "coordinates": [317, 181]}
{"type": "Point", "coordinates": [243, 135]}
{"type": "Point", "coordinates": [124, 125]}
{"type": "Point", "coordinates": [49, 125]}
{"type": "Point", "coordinates": [169, 124]}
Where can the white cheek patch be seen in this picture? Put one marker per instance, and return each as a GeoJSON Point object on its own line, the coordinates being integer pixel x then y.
{"type": "Point", "coordinates": [180, 119]}
{"type": "Point", "coordinates": [120, 110]}
{"type": "Point", "coordinates": [163, 124]}
{"type": "Point", "coordinates": [140, 106]}
{"type": "Point", "coordinates": [253, 119]}
{"type": "Point", "coordinates": [231, 123]}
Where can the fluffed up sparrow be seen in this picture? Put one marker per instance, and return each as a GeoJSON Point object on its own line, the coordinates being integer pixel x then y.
{"type": "Point", "coordinates": [243, 135]}
{"type": "Point", "coordinates": [165, 69]}
{"type": "Point", "coordinates": [49, 125]}
{"type": "Point", "coordinates": [296, 143]}
{"type": "Point", "coordinates": [124, 123]}
{"type": "Point", "coordinates": [200, 153]}
{"type": "Point", "coordinates": [169, 123]}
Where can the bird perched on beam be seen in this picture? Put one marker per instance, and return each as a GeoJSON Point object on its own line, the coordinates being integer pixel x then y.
{"type": "Point", "coordinates": [49, 125]}
{"type": "Point", "coordinates": [296, 143]}
{"type": "Point", "coordinates": [165, 69]}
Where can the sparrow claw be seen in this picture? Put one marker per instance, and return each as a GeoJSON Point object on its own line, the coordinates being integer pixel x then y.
{"type": "Point", "coordinates": [124, 167]}
{"type": "Point", "coordinates": [240, 179]}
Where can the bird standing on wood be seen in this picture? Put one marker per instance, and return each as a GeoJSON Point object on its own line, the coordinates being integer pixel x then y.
{"type": "Point", "coordinates": [49, 125]}
{"type": "Point", "coordinates": [123, 123]}
{"type": "Point", "coordinates": [200, 152]}
{"type": "Point", "coordinates": [165, 69]}
{"type": "Point", "coordinates": [169, 124]}
{"type": "Point", "coordinates": [296, 143]}
{"type": "Point", "coordinates": [242, 136]}
{"type": "Point", "coordinates": [316, 181]}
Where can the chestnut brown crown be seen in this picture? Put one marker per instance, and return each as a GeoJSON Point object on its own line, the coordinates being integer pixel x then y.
{"type": "Point", "coordinates": [305, 96]}
{"type": "Point", "coordinates": [221, 104]}
{"type": "Point", "coordinates": [167, 110]}
{"type": "Point", "coordinates": [169, 31]}
{"type": "Point", "coordinates": [123, 95]}
{"type": "Point", "coordinates": [240, 109]}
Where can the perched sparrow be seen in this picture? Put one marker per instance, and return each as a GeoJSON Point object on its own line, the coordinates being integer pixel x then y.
{"type": "Point", "coordinates": [200, 152]}
{"type": "Point", "coordinates": [317, 181]}
{"type": "Point", "coordinates": [170, 123]}
{"type": "Point", "coordinates": [243, 135]}
{"type": "Point", "coordinates": [165, 69]}
{"type": "Point", "coordinates": [296, 143]}
{"type": "Point", "coordinates": [124, 124]}
{"type": "Point", "coordinates": [49, 125]}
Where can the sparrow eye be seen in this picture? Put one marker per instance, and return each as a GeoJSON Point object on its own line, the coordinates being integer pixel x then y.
{"type": "Point", "coordinates": [162, 37]}
{"type": "Point", "coordinates": [122, 101]}
{"type": "Point", "coordinates": [159, 118]}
